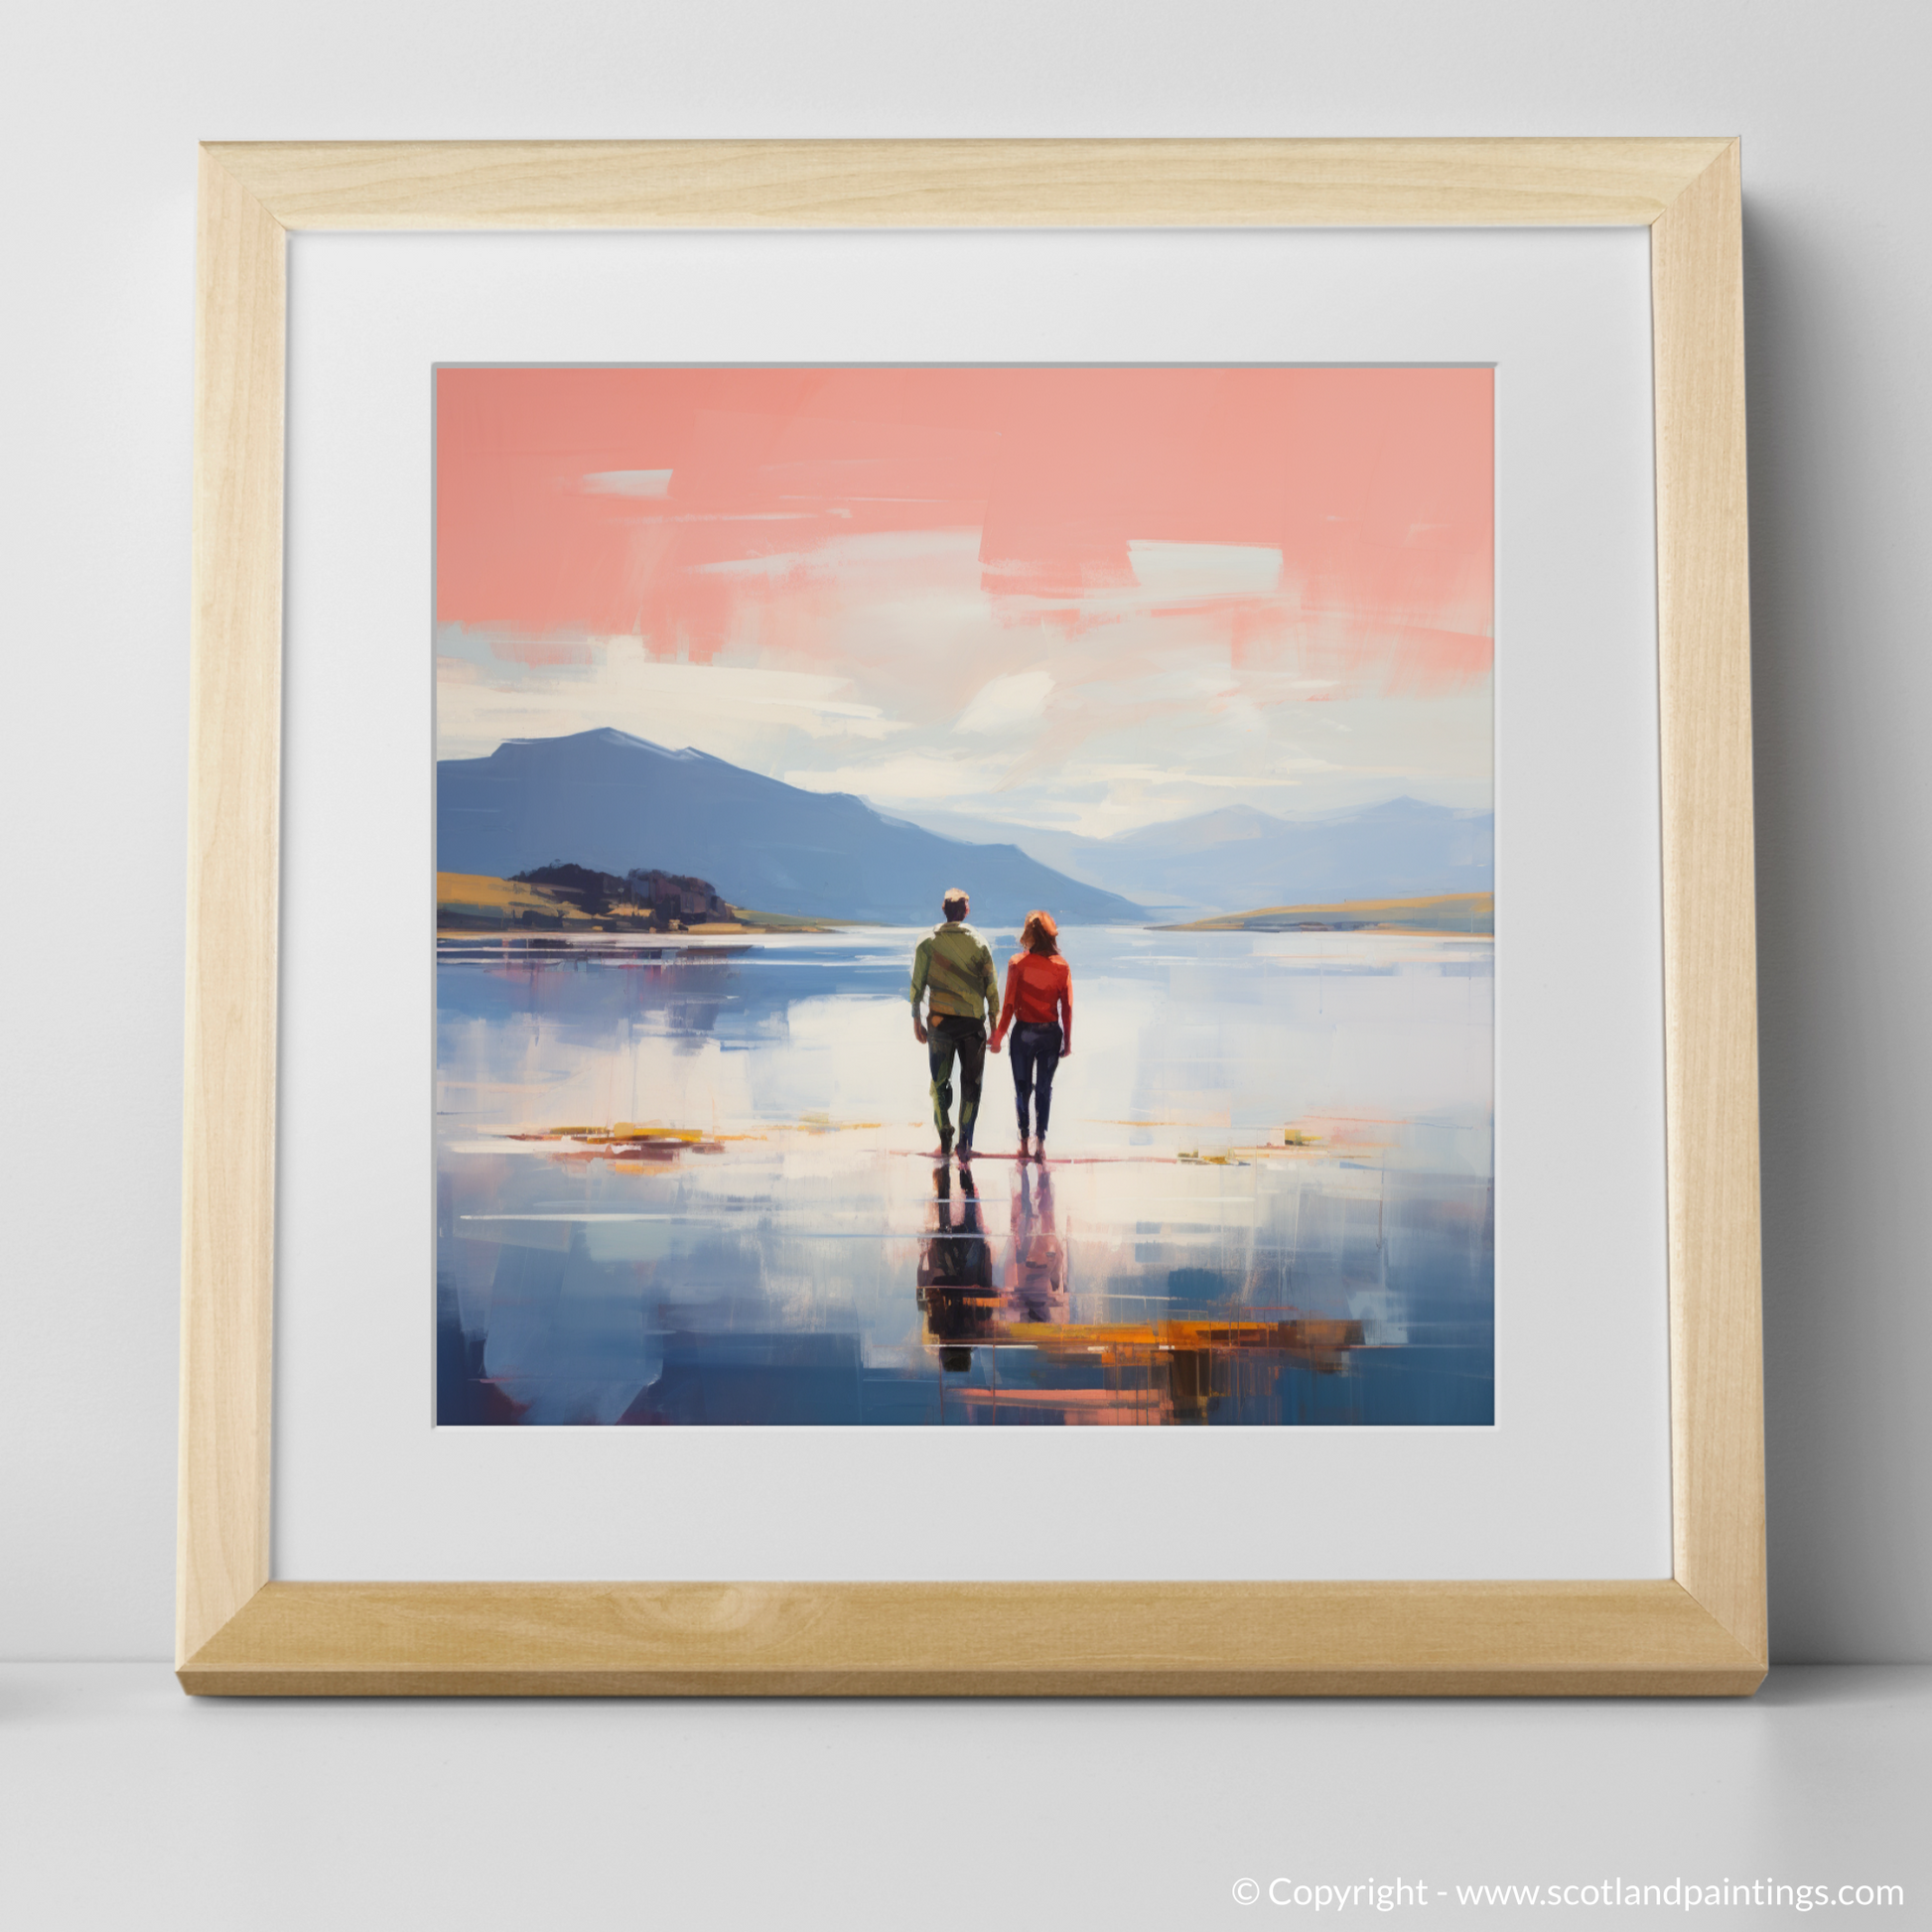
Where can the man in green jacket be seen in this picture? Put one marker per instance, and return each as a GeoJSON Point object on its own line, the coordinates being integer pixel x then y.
{"type": "Point", "coordinates": [954, 972]}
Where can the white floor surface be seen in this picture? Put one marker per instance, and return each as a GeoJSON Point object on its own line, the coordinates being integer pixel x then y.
{"type": "Point", "coordinates": [124, 1803]}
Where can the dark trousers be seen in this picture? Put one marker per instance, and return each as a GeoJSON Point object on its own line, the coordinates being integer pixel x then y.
{"type": "Point", "coordinates": [948, 1035]}
{"type": "Point", "coordinates": [1035, 1051]}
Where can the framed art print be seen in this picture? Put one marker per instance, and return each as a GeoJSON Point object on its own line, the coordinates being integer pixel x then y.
{"type": "Point", "coordinates": [989, 833]}
{"type": "Point", "coordinates": [742, 674]}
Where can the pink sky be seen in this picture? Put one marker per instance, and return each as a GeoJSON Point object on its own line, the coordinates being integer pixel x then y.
{"type": "Point", "coordinates": [1373, 484]}
{"type": "Point", "coordinates": [939, 556]}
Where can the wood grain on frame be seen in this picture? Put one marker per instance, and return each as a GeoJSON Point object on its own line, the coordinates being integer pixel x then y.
{"type": "Point", "coordinates": [234, 765]}
{"type": "Point", "coordinates": [952, 1639]}
{"type": "Point", "coordinates": [964, 183]}
{"type": "Point", "coordinates": [1709, 914]}
{"type": "Point", "coordinates": [1702, 1633]}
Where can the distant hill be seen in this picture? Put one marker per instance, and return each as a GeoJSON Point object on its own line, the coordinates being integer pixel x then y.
{"type": "Point", "coordinates": [1222, 861]}
{"type": "Point", "coordinates": [475, 903]}
{"type": "Point", "coordinates": [612, 802]}
{"type": "Point", "coordinates": [466, 902]}
{"type": "Point", "coordinates": [1473, 912]}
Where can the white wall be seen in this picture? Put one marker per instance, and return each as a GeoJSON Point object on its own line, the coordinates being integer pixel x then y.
{"type": "Point", "coordinates": [104, 105]}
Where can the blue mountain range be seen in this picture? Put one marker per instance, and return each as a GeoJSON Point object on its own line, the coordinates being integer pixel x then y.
{"type": "Point", "coordinates": [613, 802]}
{"type": "Point", "coordinates": [1237, 859]}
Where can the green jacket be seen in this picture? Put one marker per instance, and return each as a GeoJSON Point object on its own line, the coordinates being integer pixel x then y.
{"type": "Point", "coordinates": [955, 969]}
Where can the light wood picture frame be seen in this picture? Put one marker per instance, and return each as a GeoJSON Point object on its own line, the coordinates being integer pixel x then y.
{"type": "Point", "coordinates": [1701, 1631]}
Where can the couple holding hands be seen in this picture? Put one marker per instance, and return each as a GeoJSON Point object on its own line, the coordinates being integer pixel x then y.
{"type": "Point", "coordinates": [952, 972]}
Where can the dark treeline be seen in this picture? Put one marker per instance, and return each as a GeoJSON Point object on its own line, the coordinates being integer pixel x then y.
{"type": "Point", "coordinates": [663, 897]}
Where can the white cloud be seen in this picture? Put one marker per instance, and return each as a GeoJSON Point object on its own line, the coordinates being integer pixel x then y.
{"type": "Point", "coordinates": [1007, 704]}
{"type": "Point", "coordinates": [1158, 775]}
{"type": "Point", "coordinates": [1205, 569]}
{"type": "Point", "coordinates": [909, 780]}
{"type": "Point", "coordinates": [627, 483]}
{"type": "Point", "coordinates": [731, 711]}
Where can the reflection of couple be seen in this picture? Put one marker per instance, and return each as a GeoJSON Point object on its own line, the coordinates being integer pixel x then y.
{"type": "Point", "coordinates": [1036, 1272]}
{"type": "Point", "coordinates": [955, 1277]}
{"type": "Point", "coordinates": [954, 972]}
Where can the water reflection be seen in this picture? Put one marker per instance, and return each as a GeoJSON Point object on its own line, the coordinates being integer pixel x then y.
{"type": "Point", "coordinates": [1036, 1270]}
{"type": "Point", "coordinates": [954, 1284]}
{"type": "Point", "coordinates": [686, 1185]}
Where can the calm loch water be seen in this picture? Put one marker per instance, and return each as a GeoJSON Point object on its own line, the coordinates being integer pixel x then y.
{"type": "Point", "coordinates": [689, 1181]}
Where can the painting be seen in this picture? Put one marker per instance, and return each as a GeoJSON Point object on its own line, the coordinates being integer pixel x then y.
{"type": "Point", "coordinates": [964, 896]}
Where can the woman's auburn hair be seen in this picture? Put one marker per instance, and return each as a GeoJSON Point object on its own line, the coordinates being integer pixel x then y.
{"type": "Point", "coordinates": [1039, 934]}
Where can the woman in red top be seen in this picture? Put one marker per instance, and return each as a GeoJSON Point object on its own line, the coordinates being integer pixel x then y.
{"type": "Point", "coordinates": [1039, 1010]}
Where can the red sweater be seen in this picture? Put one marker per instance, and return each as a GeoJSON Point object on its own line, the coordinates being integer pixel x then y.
{"type": "Point", "coordinates": [1040, 990]}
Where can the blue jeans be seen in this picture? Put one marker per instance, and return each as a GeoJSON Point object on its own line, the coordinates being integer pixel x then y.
{"type": "Point", "coordinates": [1035, 1051]}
